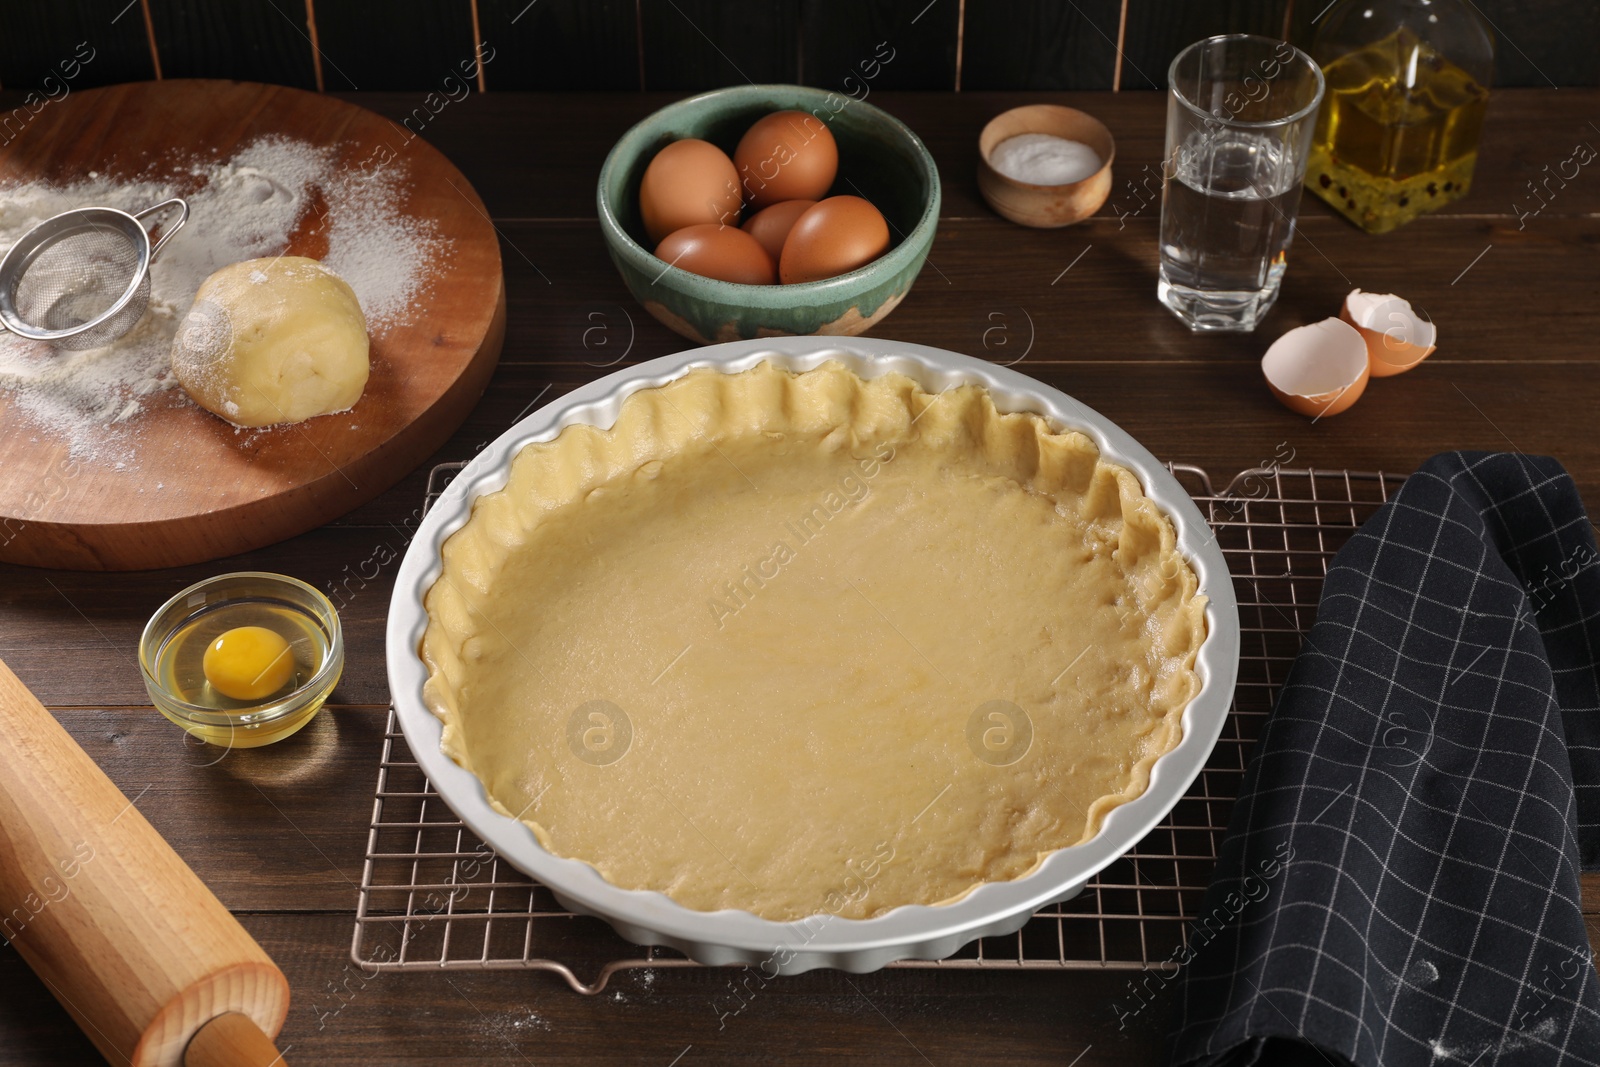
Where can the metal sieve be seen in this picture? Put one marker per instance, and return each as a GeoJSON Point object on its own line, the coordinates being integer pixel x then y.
{"type": "Point", "coordinates": [82, 278]}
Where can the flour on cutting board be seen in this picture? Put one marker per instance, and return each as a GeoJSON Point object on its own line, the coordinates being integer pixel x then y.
{"type": "Point", "coordinates": [240, 208]}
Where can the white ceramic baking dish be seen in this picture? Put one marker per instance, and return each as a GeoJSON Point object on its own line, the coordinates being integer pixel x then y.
{"type": "Point", "coordinates": [914, 931]}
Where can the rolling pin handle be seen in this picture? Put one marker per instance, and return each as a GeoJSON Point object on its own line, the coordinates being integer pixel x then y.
{"type": "Point", "coordinates": [232, 1040]}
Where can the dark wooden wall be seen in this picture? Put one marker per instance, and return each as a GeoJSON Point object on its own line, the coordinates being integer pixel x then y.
{"type": "Point", "coordinates": [694, 44]}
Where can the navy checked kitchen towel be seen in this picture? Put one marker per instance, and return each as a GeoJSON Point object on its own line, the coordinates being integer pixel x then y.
{"type": "Point", "coordinates": [1399, 884]}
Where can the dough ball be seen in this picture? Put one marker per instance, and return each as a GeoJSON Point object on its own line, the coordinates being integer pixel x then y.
{"type": "Point", "coordinates": [271, 341]}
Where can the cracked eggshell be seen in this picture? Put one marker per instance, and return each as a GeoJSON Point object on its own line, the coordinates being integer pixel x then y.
{"type": "Point", "coordinates": [1397, 338]}
{"type": "Point", "coordinates": [1317, 370]}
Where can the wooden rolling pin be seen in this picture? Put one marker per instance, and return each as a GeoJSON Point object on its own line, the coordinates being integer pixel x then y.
{"type": "Point", "coordinates": [131, 942]}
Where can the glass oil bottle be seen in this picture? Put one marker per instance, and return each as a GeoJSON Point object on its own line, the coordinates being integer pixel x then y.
{"type": "Point", "coordinates": [1407, 85]}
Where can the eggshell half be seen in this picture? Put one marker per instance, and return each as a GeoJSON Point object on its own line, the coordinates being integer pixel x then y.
{"type": "Point", "coordinates": [1397, 338]}
{"type": "Point", "coordinates": [1317, 370]}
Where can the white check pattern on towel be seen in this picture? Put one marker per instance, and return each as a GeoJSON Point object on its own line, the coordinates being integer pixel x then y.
{"type": "Point", "coordinates": [1432, 772]}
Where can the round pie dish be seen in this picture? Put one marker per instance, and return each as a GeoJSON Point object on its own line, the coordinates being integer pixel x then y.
{"type": "Point", "coordinates": [910, 931]}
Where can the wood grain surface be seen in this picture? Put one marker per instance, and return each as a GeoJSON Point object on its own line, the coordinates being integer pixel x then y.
{"type": "Point", "coordinates": [1157, 31]}
{"type": "Point", "coordinates": [564, 137]}
{"type": "Point", "coordinates": [693, 44]}
{"type": "Point", "coordinates": [561, 44]}
{"type": "Point", "coordinates": [400, 44]}
{"type": "Point", "coordinates": [232, 1040]}
{"type": "Point", "coordinates": [704, 44]}
{"type": "Point", "coordinates": [132, 944]}
{"type": "Point", "coordinates": [249, 40]}
{"type": "Point", "coordinates": [186, 486]}
{"type": "Point", "coordinates": [1040, 44]}
{"type": "Point", "coordinates": [279, 833]}
{"type": "Point", "coordinates": [852, 46]}
{"type": "Point", "coordinates": [41, 40]}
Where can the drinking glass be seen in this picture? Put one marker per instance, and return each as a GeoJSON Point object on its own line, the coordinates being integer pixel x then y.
{"type": "Point", "coordinates": [1240, 113]}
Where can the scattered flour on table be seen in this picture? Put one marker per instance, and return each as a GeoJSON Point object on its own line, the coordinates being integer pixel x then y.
{"type": "Point", "coordinates": [244, 207]}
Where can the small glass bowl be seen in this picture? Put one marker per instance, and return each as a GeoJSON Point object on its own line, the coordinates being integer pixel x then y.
{"type": "Point", "coordinates": [274, 718]}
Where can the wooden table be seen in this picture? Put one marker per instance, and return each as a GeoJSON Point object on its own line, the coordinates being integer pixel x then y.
{"type": "Point", "coordinates": [280, 833]}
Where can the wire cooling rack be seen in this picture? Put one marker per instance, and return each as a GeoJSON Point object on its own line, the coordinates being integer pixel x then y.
{"type": "Point", "coordinates": [433, 896]}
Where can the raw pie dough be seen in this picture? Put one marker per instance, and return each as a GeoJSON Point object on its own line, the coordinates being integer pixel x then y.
{"type": "Point", "coordinates": [273, 340]}
{"type": "Point", "coordinates": [748, 647]}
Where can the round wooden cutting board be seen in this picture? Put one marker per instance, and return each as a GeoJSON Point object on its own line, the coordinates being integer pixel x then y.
{"type": "Point", "coordinates": [190, 488]}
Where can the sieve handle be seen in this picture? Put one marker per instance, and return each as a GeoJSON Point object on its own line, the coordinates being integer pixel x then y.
{"type": "Point", "coordinates": [166, 234]}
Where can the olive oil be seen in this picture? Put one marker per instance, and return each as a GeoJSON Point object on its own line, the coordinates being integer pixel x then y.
{"type": "Point", "coordinates": [1406, 89]}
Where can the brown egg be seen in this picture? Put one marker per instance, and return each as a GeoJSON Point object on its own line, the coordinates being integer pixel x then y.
{"type": "Point", "coordinates": [688, 182]}
{"type": "Point", "coordinates": [834, 237]}
{"type": "Point", "coordinates": [723, 252]}
{"type": "Point", "coordinates": [789, 155]}
{"type": "Point", "coordinates": [771, 225]}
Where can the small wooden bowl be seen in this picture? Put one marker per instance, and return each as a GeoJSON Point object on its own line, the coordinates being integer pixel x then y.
{"type": "Point", "coordinates": [1045, 206]}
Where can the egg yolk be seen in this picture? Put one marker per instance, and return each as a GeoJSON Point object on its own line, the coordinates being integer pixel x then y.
{"type": "Point", "coordinates": [248, 663]}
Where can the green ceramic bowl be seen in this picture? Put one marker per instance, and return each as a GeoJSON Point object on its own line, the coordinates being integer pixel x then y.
{"type": "Point", "coordinates": [879, 159]}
